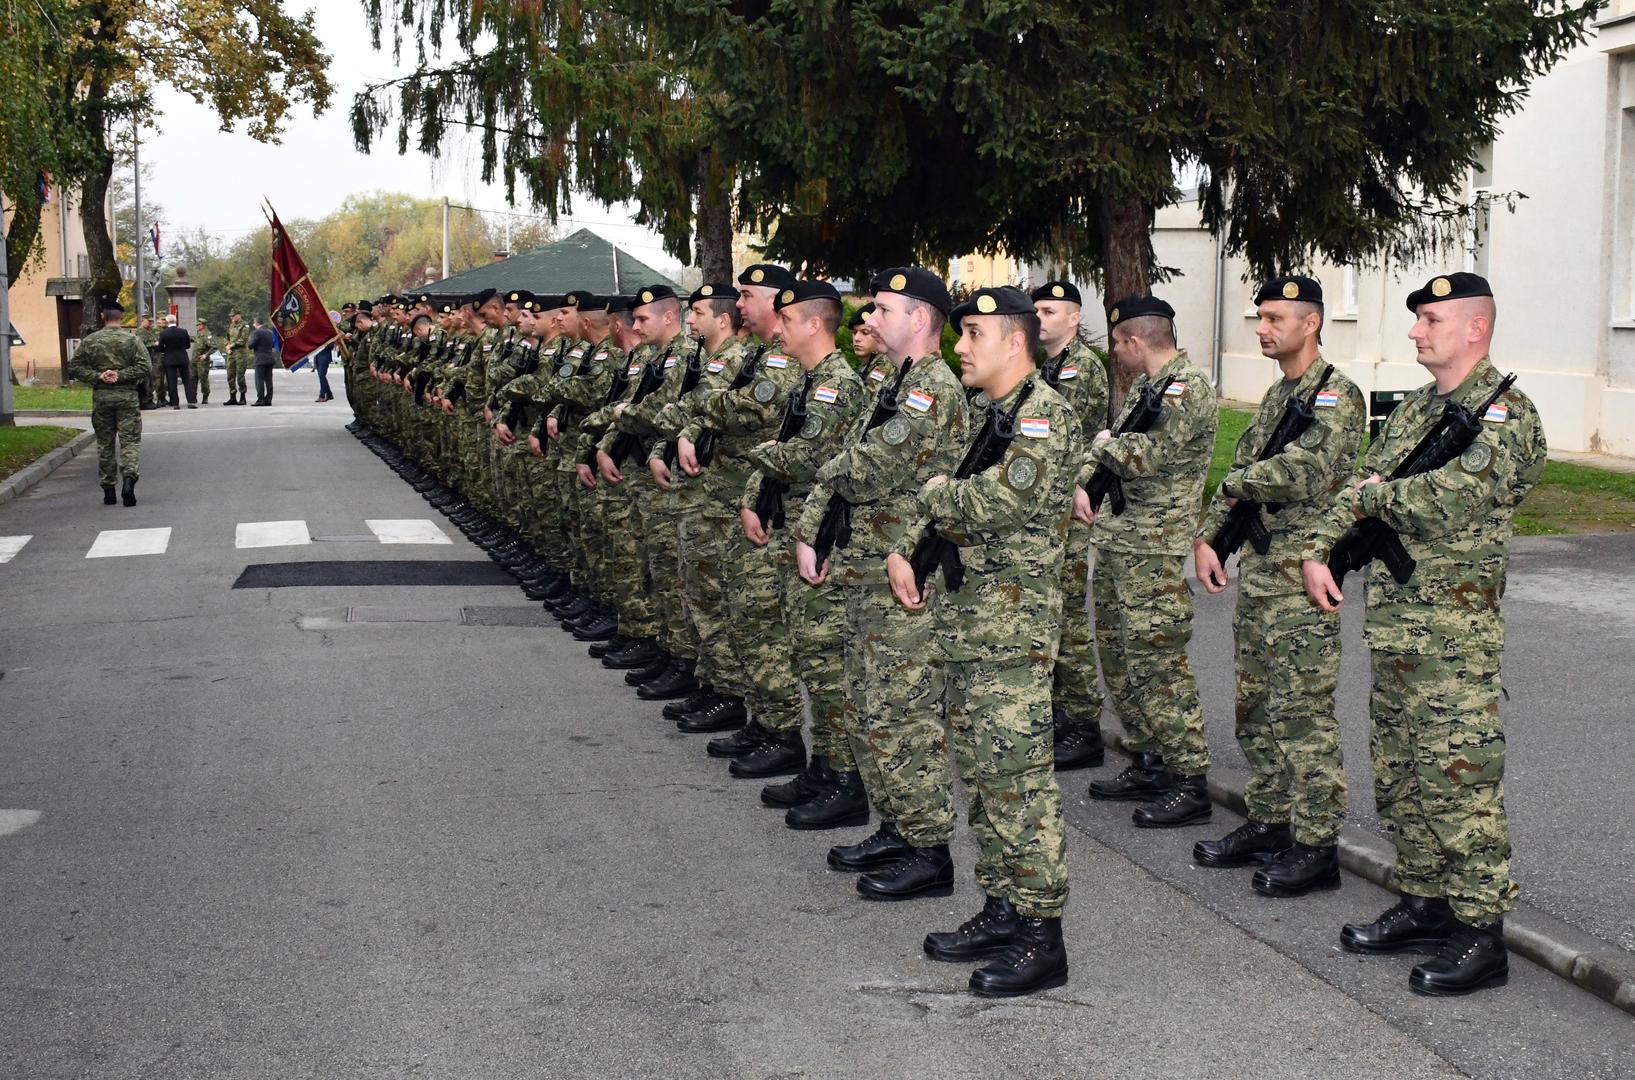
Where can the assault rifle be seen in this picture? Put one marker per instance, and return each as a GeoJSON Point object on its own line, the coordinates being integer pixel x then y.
{"type": "Point", "coordinates": [704, 449]}
{"type": "Point", "coordinates": [1104, 483]}
{"type": "Point", "coordinates": [934, 550]}
{"type": "Point", "coordinates": [615, 391]}
{"type": "Point", "coordinates": [652, 376]}
{"type": "Point", "coordinates": [769, 499]}
{"type": "Point", "coordinates": [835, 530]}
{"type": "Point", "coordinates": [689, 379]}
{"type": "Point", "coordinates": [1371, 538]}
{"type": "Point", "coordinates": [1243, 520]}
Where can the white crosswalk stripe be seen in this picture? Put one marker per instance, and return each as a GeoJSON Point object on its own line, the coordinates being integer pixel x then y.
{"type": "Point", "coordinates": [260, 534]}
{"type": "Point", "coordinates": [116, 543]}
{"type": "Point", "coordinates": [11, 545]}
{"type": "Point", "coordinates": [407, 531]}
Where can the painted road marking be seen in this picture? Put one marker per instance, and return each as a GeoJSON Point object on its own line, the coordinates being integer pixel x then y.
{"type": "Point", "coordinates": [114, 543]}
{"type": "Point", "coordinates": [407, 531]}
{"type": "Point", "coordinates": [11, 545]}
{"type": "Point", "coordinates": [17, 820]}
{"type": "Point", "coordinates": [260, 534]}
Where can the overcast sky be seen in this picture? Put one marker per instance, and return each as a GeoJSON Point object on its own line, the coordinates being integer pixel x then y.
{"type": "Point", "coordinates": [204, 177]}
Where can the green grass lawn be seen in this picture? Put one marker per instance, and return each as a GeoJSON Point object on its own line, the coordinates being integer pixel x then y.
{"type": "Point", "coordinates": [55, 398]}
{"type": "Point", "coordinates": [1569, 498]}
{"type": "Point", "coordinates": [21, 445]}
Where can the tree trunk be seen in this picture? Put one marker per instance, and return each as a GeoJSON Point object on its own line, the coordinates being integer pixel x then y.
{"type": "Point", "coordinates": [1127, 259]}
{"type": "Point", "coordinates": [714, 232]}
{"type": "Point", "coordinates": [99, 246]}
{"type": "Point", "coordinates": [21, 237]}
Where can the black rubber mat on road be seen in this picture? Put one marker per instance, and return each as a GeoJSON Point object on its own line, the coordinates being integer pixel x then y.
{"type": "Point", "coordinates": [394, 572]}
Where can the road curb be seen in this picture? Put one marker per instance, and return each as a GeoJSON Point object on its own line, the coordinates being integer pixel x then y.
{"type": "Point", "coordinates": [1540, 937]}
{"type": "Point", "coordinates": [29, 475]}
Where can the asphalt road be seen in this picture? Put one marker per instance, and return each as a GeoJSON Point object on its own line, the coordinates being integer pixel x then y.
{"type": "Point", "coordinates": [389, 830]}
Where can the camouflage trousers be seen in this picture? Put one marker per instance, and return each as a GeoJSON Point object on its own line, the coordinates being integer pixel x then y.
{"type": "Point", "coordinates": [894, 690]}
{"type": "Point", "coordinates": [237, 365]}
{"type": "Point", "coordinates": [1076, 693]}
{"type": "Point", "coordinates": [752, 582]}
{"type": "Point", "coordinates": [116, 417]}
{"type": "Point", "coordinates": [583, 508]}
{"type": "Point", "coordinates": [815, 617]}
{"type": "Point", "coordinates": [626, 566]}
{"type": "Point", "coordinates": [1438, 747]}
{"type": "Point", "coordinates": [702, 535]}
{"type": "Point", "coordinates": [658, 511]}
{"type": "Point", "coordinates": [999, 719]}
{"type": "Point", "coordinates": [200, 366]}
{"type": "Point", "coordinates": [1144, 610]}
{"type": "Point", "coordinates": [1288, 663]}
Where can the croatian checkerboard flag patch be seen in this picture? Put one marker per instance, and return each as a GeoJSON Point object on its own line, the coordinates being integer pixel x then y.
{"type": "Point", "coordinates": [777, 361]}
{"type": "Point", "coordinates": [632, 369]}
{"type": "Point", "coordinates": [1069, 373]}
{"type": "Point", "coordinates": [715, 366]}
{"type": "Point", "coordinates": [1327, 399]}
{"type": "Point", "coordinates": [1175, 389]}
{"type": "Point", "coordinates": [826, 394]}
{"type": "Point", "coordinates": [1497, 413]}
{"type": "Point", "coordinates": [920, 401]}
{"type": "Point", "coordinates": [1034, 427]}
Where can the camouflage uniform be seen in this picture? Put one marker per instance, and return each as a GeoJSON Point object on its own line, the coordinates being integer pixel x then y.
{"type": "Point", "coordinates": [632, 593]}
{"type": "Point", "coordinates": [1438, 743]}
{"type": "Point", "coordinates": [893, 695]}
{"type": "Point", "coordinates": [116, 413]}
{"type": "Point", "coordinates": [579, 395]}
{"type": "Point", "coordinates": [832, 395]}
{"type": "Point", "coordinates": [238, 358]}
{"type": "Point", "coordinates": [1143, 602]}
{"type": "Point", "coordinates": [1079, 375]}
{"type": "Point", "coordinates": [1288, 651]}
{"type": "Point", "coordinates": [998, 638]}
{"type": "Point", "coordinates": [204, 343]}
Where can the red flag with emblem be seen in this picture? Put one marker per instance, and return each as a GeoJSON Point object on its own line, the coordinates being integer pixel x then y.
{"type": "Point", "coordinates": [299, 314]}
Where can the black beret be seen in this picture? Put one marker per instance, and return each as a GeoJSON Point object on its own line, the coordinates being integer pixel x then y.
{"type": "Point", "coordinates": [1004, 300]}
{"type": "Point", "coordinates": [447, 307]}
{"type": "Point", "coordinates": [1292, 287]}
{"type": "Point", "coordinates": [1449, 287]}
{"type": "Point", "coordinates": [111, 303]}
{"type": "Point", "coordinates": [713, 290]}
{"type": "Point", "coordinates": [859, 315]}
{"type": "Point", "coordinates": [614, 304]}
{"type": "Point", "coordinates": [916, 282]}
{"type": "Point", "coordinates": [770, 275]}
{"type": "Point", "coordinates": [801, 291]}
{"type": "Point", "coordinates": [349, 305]}
{"type": "Point", "coordinates": [1058, 290]}
{"type": "Point", "coordinates": [549, 301]}
{"type": "Point", "coordinates": [365, 308]}
{"type": "Point", "coordinates": [519, 297]}
{"type": "Point", "coordinates": [478, 299]}
{"type": "Point", "coordinates": [580, 298]}
{"type": "Point", "coordinates": [1136, 307]}
{"type": "Point", "coordinates": [652, 294]}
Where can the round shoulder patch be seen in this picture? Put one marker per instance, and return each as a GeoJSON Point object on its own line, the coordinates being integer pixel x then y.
{"type": "Point", "coordinates": [1476, 458]}
{"type": "Point", "coordinates": [979, 400]}
{"type": "Point", "coordinates": [1022, 473]}
{"type": "Point", "coordinates": [895, 431]}
{"type": "Point", "coordinates": [1312, 437]}
{"type": "Point", "coordinates": [765, 390]}
{"type": "Point", "coordinates": [564, 371]}
{"type": "Point", "coordinates": [812, 428]}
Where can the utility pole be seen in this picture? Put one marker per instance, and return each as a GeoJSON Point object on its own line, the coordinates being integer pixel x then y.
{"type": "Point", "coordinates": [8, 415]}
{"type": "Point", "coordinates": [445, 237]}
{"type": "Point", "coordinates": [136, 168]}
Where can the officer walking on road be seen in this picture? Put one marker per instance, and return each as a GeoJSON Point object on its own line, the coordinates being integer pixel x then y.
{"type": "Point", "coordinates": [115, 363]}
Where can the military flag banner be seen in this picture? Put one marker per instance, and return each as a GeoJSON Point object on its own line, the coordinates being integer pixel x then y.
{"type": "Point", "coordinates": [299, 314]}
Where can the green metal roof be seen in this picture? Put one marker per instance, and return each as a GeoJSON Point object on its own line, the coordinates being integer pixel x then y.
{"type": "Point", "coordinates": [582, 260]}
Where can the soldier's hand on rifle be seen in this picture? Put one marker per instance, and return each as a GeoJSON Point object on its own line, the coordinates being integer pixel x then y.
{"type": "Point", "coordinates": [1081, 506]}
{"type": "Point", "coordinates": [503, 434]}
{"type": "Point", "coordinates": [752, 527]}
{"type": "Point", "coordinates": [1211, 572]}
{"type": "Point", "coordinates": [610, 472]}
{"type": "Point", "coordinates": [661, 473]}
{"type": "Point", "coordinates": [586, 477]}
{"type": "Point", "coordinates": [552, 432]}
{"type": "Point", "coordinates": [806, 563]}
{"type": "Point", "coordinates": [533, 446]}
{"type": "Point", "coordinates": [1104, 433]}
{"type": "Point", "coordinates": [900, 572]}
{"type": "Point", "coordinates": [687, 456]}
{"type": "Point", "coordinates": [448, 406]}
{"type": "Point", "coordinates": [1356, 507]}
{"type": "Point", "coordinates": [1320, 586]}
{"type": "Point", "coordinates": [618, 410]}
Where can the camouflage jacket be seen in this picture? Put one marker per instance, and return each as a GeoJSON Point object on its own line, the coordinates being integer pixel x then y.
{"type": "Point", "coordinates": [204, 343]}
{"type": "Point", "coordinates": [584, 399]}
{"type": "Point", "coordinates": [111, 349]}
{"type": "Point", "coordinates": [1163, 469]}
{"type": "Point", "coordinates": [1010, 524]}
{"type": "Point", "coordinates": [833, 396]}
{"type": "Point", "coordinates": [1455, 521]}
{"type": "Point", "coordinates": [238, 338]}
{"type": "Point", "coordinates": [637, 418]}
{"type": "Point", "coordinates": [746, 417]}
{"type": "Point", "coordinates": [1302, 478]}
{"type": "Point", "coordinates": [1079, 375]}
{"type": "Point", "coordinates": [503, 363]}
{"type": "Point", "coordinates": [880, 472]}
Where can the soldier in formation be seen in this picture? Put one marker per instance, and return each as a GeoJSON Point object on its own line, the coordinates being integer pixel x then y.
{"type": "Point", "coordinates": [852, 566]}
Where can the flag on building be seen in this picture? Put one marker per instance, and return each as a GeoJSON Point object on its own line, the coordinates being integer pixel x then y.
{"type": "Point", "coordinates": [299, 314]}
{"type": "Point", "coordinates": [153, 234]}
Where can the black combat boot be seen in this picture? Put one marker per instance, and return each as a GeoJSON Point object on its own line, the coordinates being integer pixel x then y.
{"type": "Point", "coordinates": [802, 786]}
{"type": "Point", "coordinates": [740, 742]}
{"type": "Point", "coordinates": [1145, 777]}
{"type": "Point", "coordinates": [600, 630]}
{"type": "Point", "coordinates": [1036, 960]}
{"type": "Point", "coordinates": [602, 648]}
{"type": "Point", "coordinates": [1474, 957]}
{"type": "Point", "coordinates": [570, 605]}
{"type": "Point", "coordinates": [1186, 803]}
{"type": "Point", "coordinates": [1251, 842]}
{"type": "Point", "coordinates": [880, 848]}
{"type": "Point", "coordinates": [693, 702]}
{"type": "Point", "coordinates": [1080, 746]}
{"type": "Point", "coordinates": [841, 804]}
{"type": "Point", "coordinates": [987, 933]}
{"type": "Point", "coordinates": [723, 713]}
{"type": "Point", "coordinates": [108, 497]}
{"type": "Point", "coordinates": [128, 494]}
{"type": "Point", "coordinates": [639, 677]}
{"type": "Point", "coordinates": [639, 653]}
{"type": "Point", "coordinates": [1415, 922]}
{"type": "Point", "coordinates": [679, 680]}
{"type": "Point", "coordinates": [780, 753]}
{"type": "Point", "coordinates": [927, 871]}
{"type": "Point", "coordinates": [1299, 870]}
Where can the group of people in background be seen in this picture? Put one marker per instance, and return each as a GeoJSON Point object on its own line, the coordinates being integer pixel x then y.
{"type": "Point", "coordinates": [180, 361]}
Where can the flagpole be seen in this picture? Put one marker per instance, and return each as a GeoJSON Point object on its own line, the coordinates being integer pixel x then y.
{"type": "Point", "coordinates": [136, 168]}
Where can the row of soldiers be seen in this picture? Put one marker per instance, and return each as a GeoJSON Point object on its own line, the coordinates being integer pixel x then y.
{"type": "Point", "coordinates": [235, 346]}
{"type": "Point", "coordinates": [754, 526]}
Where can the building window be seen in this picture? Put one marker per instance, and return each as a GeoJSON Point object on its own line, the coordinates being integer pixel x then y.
{"type": "Point", "coordinates": [1348, 290]}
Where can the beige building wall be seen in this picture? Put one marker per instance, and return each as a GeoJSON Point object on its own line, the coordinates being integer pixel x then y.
{"type": "Point", "coordinates": [32, 311]}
